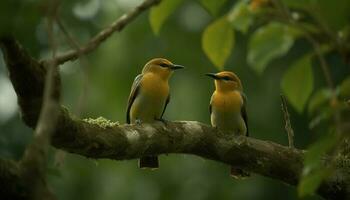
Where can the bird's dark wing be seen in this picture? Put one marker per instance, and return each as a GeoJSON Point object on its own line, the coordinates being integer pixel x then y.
{"type": "Point", "coordinates": [166, 104]}
{"type": "Point", "coordinates": [210, 106]}
{"type": "Point", "coordinates": [244, 112]}
{"type": "Point", "coordinates": [135, 89]}
{"type": "Point", "coordinates": [210, 109]}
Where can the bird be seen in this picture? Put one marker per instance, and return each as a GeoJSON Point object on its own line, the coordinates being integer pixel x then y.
{"type": "Point", "coordinates": [149, 98]}
{"type": "Point", "coordinates": [228, 109]}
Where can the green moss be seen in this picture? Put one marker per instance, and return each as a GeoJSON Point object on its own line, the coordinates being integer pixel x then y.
{"type": "Point", "coordinates": [101, 122]}
{"type": "Point", "coordinates": [343, 162]}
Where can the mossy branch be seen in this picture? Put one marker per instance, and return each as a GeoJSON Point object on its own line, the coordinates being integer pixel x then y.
{"type": "Point", "coordinates": [103, 139]}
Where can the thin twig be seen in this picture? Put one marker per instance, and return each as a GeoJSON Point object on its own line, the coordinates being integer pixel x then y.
{"type": "Point", "coordinates": [315, 11]}
{"type": "Point", "coordinates": [82, 62]}
{"type": "Point", "coordinates": [50, 102]}
{"type": "Point", "coordinates": [117, 25]}
{"type": "Point", "coordinates": [325, 69]}
{"type": "Point", "coordinates": [48, 115]}
{"type": "Point", "coordinates": [288, 16]}
{"type": "Point", "coordinates": [34, 161]}
{"type": "Point", "coordinates": [324, 66]}
{"type": "Point", "coordinates": [288, 125]}
{"type": "Point", "coordinates": [322, 61]}
{"type": "Point", "coordinates": [74, 44]}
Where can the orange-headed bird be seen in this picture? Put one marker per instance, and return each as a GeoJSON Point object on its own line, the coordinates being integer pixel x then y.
{"type": "Point", "coordinates": [227, 109]}
{"type": "Point", "coordinates": [149, 97]}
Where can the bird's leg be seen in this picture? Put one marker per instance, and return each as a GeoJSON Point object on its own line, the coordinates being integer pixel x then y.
{"type": "Point", "coordinates": [138, 121]}
{"type": "Point", "coordinates": [164, 121]}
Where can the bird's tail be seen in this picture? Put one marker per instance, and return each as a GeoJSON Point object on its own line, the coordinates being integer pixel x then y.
{"type": "Point", "coordinates": [150, 162]}
{"type": "Point", "coordinates": [239, 173]}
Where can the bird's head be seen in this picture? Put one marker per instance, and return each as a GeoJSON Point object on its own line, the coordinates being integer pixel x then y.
{"type": "Point", "coordinates": [161, 67]}
{"type": "Point", "coordinates": [226, 81]}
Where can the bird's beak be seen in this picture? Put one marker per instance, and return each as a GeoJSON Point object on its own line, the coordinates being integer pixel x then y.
{"type": "Point", "coordinates": [212, 75]}
{"type": "Point", "coordinates": [175, 67]}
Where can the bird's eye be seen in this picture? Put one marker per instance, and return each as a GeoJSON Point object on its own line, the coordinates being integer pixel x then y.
{"type": "Point", "coordinates": [227, 78]}
{"type": "Point", "coordinates": [164, 65]}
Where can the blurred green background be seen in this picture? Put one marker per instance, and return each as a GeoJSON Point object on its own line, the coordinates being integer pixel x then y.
{"type": "Point", "coordinates": [99, 85]}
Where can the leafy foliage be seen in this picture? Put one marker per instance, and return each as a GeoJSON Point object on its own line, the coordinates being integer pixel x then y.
{"type": "Point", "coordinates": [309, 184]}
{"type": "Point", "coordinates": [88, 10]}
{"type": "Point", "coordinates": [314, 172]}
{"type": "Point", "coordinates": [212, 6]}
{"type": "Point", "coordinates": [217, 41]}
{"type": "Point", "coordinates": [344, 88]}
{"type": "Point", "coordinates": [160, 13]}
{"type": "Point", "coordinates": [241, 16]}
{"type": "Point", "coordinates": [321, 97]}
{"type": "Point", "coordinates": [297, 83]}
{"type": "Point", "coordinates": [267, 43]}
{"type": "Point", "coordinates": [333, 14]}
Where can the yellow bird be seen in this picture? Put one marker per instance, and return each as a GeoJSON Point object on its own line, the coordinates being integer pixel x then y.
{"type": "Point", "coordinates": [227, 109]}
{"type": "Point", "coordinates": [149, 97]}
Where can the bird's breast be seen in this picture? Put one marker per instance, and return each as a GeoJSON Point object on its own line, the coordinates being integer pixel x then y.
{"type": "Point", "coordinates": [154, 87]}
{"type": "Point", "coordinates": [226, 112]}
{"type": "Point", "coordinates": [150, 101]}
{"type": "Point", "coordinates": [227, 102]}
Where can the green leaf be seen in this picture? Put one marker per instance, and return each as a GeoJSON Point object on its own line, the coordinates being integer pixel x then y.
{"type": "Point", "coordinates": [87, 10]}
{"type": "Point", "coordinates": [317, 150]}
{"type": "Point", "coordinates": [297, 83]}
{"type": "Point", "coordinates": [314, 172]}
{"type": "Point", "coordinates": [321, 97]}
{"type": "Point", "coordinates": [160, 13]}
{"type": "Point", "coordinates": [309, 184]}
{"type": "Point", "coordinates": [217, 41]}
{"type": "Point", "coordinates": [321, 118]}
{"type": "Point", "coordinates": [344, 89]}
{"type": "Point", "coordinates": [269, 42]}
{"type": "Point", "coordinates": [241, 17]}
{"type": "Point", "coordinates": [213, 6]}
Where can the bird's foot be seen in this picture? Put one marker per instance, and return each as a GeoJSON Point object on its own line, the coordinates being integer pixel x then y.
{"type": "Point", "coordinates": [138, 121]}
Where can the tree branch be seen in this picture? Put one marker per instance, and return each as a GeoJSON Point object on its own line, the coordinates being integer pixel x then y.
{"type": "Point", "coordinates": [34, 161]}
{"type": "Point", "coordinates": [103, 139]}
{"type": "Point", "coordinates": [117, 25]}
{"type": "Point", "coordinates": [32, 166]}
{"type": "Point", "coordinates": [82, 62]}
